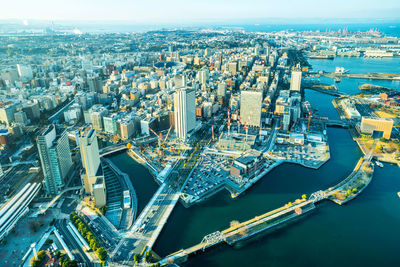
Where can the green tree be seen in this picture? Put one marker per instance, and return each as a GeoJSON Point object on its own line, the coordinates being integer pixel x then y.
{"type": "Point", "coordinates": [147, 256]}
{"type": "Point", "coordinates": [70, 263]}
{"type": "Point", "coordinates": [93, 244]}
{"type": "Point", "coordinates": [136, 258]}
{"type": "Point", "coordinates": [102, 254]}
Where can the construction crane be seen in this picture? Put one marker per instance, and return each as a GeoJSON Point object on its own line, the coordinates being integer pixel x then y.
{"type": "Point", "coordinates": [307, 105]}
{"type": "Point", "coordinates": [159, 140]}
{"type": "Point", "coordinates": [246, 128]}
{"type": "Point", "coordinates": [166, 137]}
{"type": "Point", "coordinates": [229, 123]}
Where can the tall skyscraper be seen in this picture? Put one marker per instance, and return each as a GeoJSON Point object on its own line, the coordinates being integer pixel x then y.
{"type": "Point", "coordinates": [250, 107]}
{"type": "Point", "coordinates": [89, 155]}
{"type": "Point", "coordinates": [295, 81]}
{"type": "Point", "coordinates": [55, 157]}
{"type": "Point", "coordinates": [184, 112]}
{"type": "Point", "coordinates": [92, 178]}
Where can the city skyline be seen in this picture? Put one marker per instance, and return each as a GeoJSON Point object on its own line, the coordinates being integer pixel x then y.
{"type": "Point", "coordinates": [199, 133]}
{"type": "Point", "coordinates": [178, 11]}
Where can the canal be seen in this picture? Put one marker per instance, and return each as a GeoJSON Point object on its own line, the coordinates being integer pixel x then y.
{"type": "Point", "coordinates": [142, 180]}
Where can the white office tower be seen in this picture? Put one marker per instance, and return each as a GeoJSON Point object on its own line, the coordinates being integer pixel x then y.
{"type": "Point", "coordinates": [24, 72]}
{"type": "Point", "coordinates": [221, 91]}
{"type": "Point", "coordinates": [89, 155]}
{"type": "Point", "coordinates": [250, 107]}
{"type": "Point", "coordinates": [93, 178]}
{"type": "Point", "coordinates": [203, 76]}
{"type": "Point", "coordinates": [55, 157]}
{"type": "Point", "coordinates": [184, 112]}
{"type": "Point", "coordinates": [295, 82]}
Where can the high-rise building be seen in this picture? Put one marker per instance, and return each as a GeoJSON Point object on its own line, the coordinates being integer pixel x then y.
{"type": "Point", "coordinates": [180, 80]}
{"type": "Point", "coordinates": [203, 76]}
{"type": "Point", "coordinates": [110, 124]}
{"type": "Point", "coordinates": [7, 114]}
{"type": "Point", "coordinates": [250, 107]}
{"type": "Point", "coordinates": [126, 128]}
{"type": "Point", "coordinates": [184, 112]}
{"type": "Point", "coordinates": [24, 72]}
{"type": "Point", "coordinates": [55, 157]}
{"type": "Point", "coordinates": [232, 67]}
{"type": "Point", "coordinates": [97, 112]}
{"type": "Point", "coordinates": [92, 178]}
{"type": "Point", "coordinates": [295, 81]}
{"type": "Point", "coordinates": [95, 84]}
{"type": "Point", "coordinates": [9, 76]}
{"type": "Point", "coordinates": [89, 151]}
{"type": "Point", "coordinates": [32, 110]}
{"type": "Point", "coordinates": [221, 91]}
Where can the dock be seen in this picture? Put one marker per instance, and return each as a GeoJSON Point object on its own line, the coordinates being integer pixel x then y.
{"type": "Point", "coordinates": [368, 75]}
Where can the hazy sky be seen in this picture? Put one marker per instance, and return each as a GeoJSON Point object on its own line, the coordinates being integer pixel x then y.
{"type": "Point", "coordinates": [144, 11]}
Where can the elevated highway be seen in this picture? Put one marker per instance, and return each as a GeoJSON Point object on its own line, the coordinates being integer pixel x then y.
{"type": "Point", "coordinates": [51, 203]}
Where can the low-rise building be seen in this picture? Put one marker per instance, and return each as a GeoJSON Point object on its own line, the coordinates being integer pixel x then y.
{"type": "Point", "coordinates": [246, 165]}
{"type": "Point", "coordinates": [371, 125]}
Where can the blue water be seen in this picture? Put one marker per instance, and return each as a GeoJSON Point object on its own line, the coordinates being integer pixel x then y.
{"type": "Point", "coordinates": [358, 65]}
{"type": "Point", "coordinates": [364, 232]}
{"type": "Point", "coordinates": [390, 29]}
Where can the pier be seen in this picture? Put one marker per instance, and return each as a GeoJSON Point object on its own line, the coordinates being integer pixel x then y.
{"type": "Point", "coordinates": [323, 88]}
{"type": "Point", "coordinates": [368, 75]}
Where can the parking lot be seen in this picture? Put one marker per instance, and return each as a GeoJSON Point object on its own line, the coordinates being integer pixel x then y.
{"type": "Point", "coordinates": [210, 174]}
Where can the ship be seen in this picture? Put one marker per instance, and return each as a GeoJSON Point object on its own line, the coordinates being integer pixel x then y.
{"type": "Point", "coordinates": [316, 56]}
{"type": "Point", "coordinates": [379, 163]}
{"type": "Point", "coordinates": [337, 79]}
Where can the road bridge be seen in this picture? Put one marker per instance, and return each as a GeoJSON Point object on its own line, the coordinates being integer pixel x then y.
{"type": "Point", "coordinates": [336, 123]}
{"type": "Point", "coordinates": [246, 229]}
{"type": "Point", "coordinates": [269, 220]}
{"type": "Point", "coordinates": [42, 210]}
{"type": "Point", "coordinates": [112, 149]}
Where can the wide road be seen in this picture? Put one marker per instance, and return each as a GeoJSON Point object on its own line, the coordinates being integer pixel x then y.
{"type": "Point", "coordinates": [72, 244]}
{"type": "Point", "coordinates": [148, 225]}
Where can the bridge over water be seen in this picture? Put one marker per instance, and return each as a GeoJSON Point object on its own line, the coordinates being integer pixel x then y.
{"type": "Point", "coordinates": [337, 123]}
{"type": "Point", "coordinates": [269, 220]}
{"type": "Point", "coordinates": [249, 228]}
